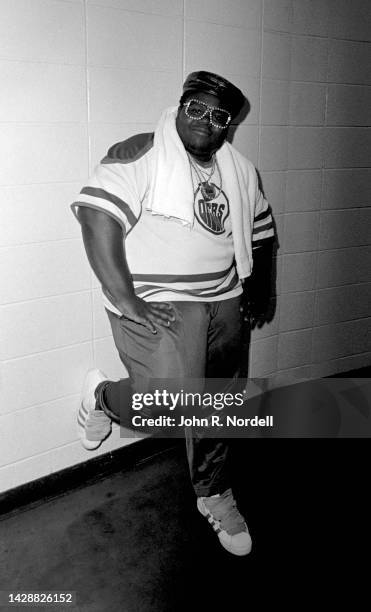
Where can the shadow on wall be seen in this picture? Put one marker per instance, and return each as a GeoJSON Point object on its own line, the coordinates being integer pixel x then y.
{"type": "Point", "coordinates": [272, 265]}
{"type": "Point", "coordinates": [237, 120]}
{"type": "Point", "coordinates": [333, 218]}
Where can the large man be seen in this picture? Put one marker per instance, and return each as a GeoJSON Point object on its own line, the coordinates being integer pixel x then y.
{"type": "Point", "coordinates": [171, 222]}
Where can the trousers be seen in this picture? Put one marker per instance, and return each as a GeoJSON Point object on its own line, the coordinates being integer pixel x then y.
{"type": "Point", "coordinates": [205, 341]}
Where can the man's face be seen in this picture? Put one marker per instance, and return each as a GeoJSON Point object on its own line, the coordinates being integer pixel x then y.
{"type": "Point", "coordinates": [199, 137]}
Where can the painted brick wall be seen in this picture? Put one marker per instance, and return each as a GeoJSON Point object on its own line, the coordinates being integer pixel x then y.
{"type": "Point", "coordinates": [77, 76]}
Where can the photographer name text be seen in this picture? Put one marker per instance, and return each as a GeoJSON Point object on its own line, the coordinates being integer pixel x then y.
{"type": "Point", "coordinates": [193, 421]}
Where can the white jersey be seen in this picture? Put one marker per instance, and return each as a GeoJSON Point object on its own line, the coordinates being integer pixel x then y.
{"type": "Point", "coordinates": [168, 260]}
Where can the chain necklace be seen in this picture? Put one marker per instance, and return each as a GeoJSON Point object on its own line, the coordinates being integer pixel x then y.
{"type": "Point", "coordinates": [209, 191]}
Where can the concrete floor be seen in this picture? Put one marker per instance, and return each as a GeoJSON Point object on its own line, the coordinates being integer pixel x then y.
{"type": "Point", "coordinates": [134, 541]}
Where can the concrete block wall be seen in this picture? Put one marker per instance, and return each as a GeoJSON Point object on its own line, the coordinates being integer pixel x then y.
{"type": "Point", "coordinates": [78, 75]}
{"type": "Point", "coordinates": [314, 157]}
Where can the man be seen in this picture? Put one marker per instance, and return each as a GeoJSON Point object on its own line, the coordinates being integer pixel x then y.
{"type": "Point", "coordinates": [169, 221]}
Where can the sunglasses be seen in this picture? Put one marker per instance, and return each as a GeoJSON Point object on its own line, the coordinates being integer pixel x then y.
{"type": "Point", "coordinates": [196, 109]}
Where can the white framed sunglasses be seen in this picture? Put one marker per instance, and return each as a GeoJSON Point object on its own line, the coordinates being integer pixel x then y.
{"type": "Point", "coordinates": [196, 109]}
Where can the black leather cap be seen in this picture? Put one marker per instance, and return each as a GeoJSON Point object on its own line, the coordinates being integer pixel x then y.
{"type": "Point", "coordinates": [230, 96]}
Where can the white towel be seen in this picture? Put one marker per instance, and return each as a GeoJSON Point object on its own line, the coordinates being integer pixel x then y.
{"type": "Point", "coordinates": [171, 188]}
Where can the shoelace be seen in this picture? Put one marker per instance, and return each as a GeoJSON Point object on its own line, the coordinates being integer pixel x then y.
{"type": "Point", "coordinates": [225, 512]}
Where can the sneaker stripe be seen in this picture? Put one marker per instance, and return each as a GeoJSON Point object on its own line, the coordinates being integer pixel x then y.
{"type": "Point", "coordinates": [83, 409]}
{"type": "Point", "coordinates": [214, 523]}
{"type": "Point", "coordinates": [83, 415]}
{"type": "Point", "coordinates": [236, 543]}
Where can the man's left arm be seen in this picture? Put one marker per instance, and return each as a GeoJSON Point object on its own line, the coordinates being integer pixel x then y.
{"type": "Point", "coordinates": [258, 294]}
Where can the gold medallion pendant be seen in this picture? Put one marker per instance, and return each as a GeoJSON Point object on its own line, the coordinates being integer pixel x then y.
{"type": "Point", "coordinates": [208, 191]}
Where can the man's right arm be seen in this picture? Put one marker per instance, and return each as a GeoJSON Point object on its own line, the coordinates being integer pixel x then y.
{"type": "Point", "coordinates": [104, 245]}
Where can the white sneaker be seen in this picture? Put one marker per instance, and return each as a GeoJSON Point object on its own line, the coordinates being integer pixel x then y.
{"type": "Point", "coordinates": [222, 513]}
{"type": "Point", "coordinates": [94, 426]}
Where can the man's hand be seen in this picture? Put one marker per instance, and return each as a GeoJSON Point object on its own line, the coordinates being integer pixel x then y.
{"type": "Point", "coordinates": [259, 312]}
{"type": "Point", "coordinates": [149, 314]}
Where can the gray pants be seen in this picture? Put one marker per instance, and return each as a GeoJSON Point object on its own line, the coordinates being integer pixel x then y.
{"type": "Point", "coordinates": [205, 341]}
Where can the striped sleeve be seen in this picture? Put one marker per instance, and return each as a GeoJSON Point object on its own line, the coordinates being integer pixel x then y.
{"type": "Point", "coordinates": [115, 189]}
{"type": "Point", "coordinates": [263, 221]}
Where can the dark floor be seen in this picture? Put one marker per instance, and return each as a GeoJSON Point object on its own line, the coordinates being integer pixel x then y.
{"type": "Point", "coordinates": [134, 541]}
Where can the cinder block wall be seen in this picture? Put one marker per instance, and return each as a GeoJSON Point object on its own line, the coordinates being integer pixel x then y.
{"type": "Point", "coordinates": [77, 76]}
